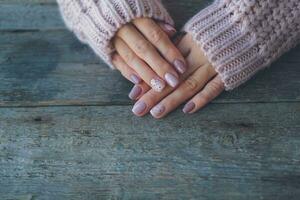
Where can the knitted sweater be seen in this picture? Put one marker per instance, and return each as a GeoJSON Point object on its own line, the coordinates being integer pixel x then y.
{"type": "Point", "coordinates": [95, 22]}
{"type": "Point", "coordinates": [239, 37]}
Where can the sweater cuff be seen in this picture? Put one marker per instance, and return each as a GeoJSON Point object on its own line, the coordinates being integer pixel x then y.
{"type": "Point", "coordinates": [227, 43]}
{"type": "Point", "coordinates": [95, 22]}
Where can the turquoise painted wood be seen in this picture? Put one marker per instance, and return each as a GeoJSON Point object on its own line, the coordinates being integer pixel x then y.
{"type": "Point", "coordinates": [67, 132]}
{"type": "Point", "coordinates": [103, 152]}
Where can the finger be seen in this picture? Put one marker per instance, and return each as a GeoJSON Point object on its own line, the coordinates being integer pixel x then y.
{"type": "Point", "coordinates": [186, 90]}
{"type": "Point", "coordinates": [151, 98]}
{"type": "Point", "coordinates": [138, 65]}
{"type": "Point", "coordinates": [140, 87]}
{"type": "Point", "coordinates": [146, 52]}
{"type": "Point", "coordinates": [138, 91]}
{"type": "Point", "coordinates": [167, 28]}
{"type": "Point", "coordinates": [125, 70]}
{"type": "Point", "coordinates": [182, 45]}
{"type": "Point", "coordinates": [213, 89]}
{"type": "Point", "coordinates": [161, 41]}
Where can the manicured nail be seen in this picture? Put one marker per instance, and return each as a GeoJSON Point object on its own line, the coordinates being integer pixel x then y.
{"type": "Point", "coordinates": [135, 79]}
{"type": "Point", "coordinates": [135, 92]}
{"type": "Point", "coordinates": [139, 108]}
{"type": "Point", "coordinates": [157, 110]}
{"type": "Point", "coordinates": [171, 79]}
{"type": "Point", "coordinates": [180, 66]}
{"type": "Point", "coordinates": [157, 85]}
{"type": "Point", "coordinates": [189, 107]}
{"type": "Point", "coordinates": [170, 28]}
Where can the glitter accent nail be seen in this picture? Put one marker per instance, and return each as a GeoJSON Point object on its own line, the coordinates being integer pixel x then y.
{"type": "Point", "coordinates": [157, 85]}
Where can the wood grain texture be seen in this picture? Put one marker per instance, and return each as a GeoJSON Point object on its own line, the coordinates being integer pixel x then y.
{"type": "Point", "coordinates": [39, 61]}
{"type": "Point", "coordinates": [37, 68]}
{"type": "Point", "coordinates": [66, 130]}
{"type": "Point", "coordinates": [43, 14]}
{"type": "Point", "coordinates": [106, 153]}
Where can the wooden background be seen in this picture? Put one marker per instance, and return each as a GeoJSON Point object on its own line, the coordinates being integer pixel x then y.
{"type": "Point", "coordinates": [67, 132]}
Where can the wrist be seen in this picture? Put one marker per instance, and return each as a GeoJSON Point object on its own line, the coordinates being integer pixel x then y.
{"type": "Point", "coordinates": [96, 23]}
{"type": "Point", "coordinates": [226, 42]}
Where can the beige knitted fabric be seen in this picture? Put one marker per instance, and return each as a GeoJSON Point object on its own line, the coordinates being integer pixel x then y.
{"type": "Point", "coordinates": [95, 22]}
{"type": "Point", "coordinates": [240, 37]}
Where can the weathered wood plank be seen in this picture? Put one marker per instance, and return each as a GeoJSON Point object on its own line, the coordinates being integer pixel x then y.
{"type": "Point", "coordinates": [53, 68]}
{"type": "Point", "coordinates": [28, 1]}
{"type": "Point", "coordinates": [36, 14]}
{"type": "Point", "coordinates": [37, 67]}
{"type": "Point", "coordinates": [28, 16]}
{"type": "Point", "coordinates": [107, 153]}
{"type": "Point", "coordinates": [44, 47]}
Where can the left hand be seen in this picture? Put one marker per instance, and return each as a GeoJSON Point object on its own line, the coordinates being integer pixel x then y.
{"type": "Point", "coordinates": [200, 84]}
{"type": "Point", "coordinates": [145, 46]}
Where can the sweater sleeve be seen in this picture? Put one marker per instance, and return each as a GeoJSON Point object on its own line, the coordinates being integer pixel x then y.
{"type": "Point", "coordinates": [240, 37]}
{"type": "Point", "coordinates": [95, 22]}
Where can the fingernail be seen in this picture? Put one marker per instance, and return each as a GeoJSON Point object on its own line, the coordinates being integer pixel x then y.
{"type": "Point", "coordinates": [171, 79]}
{"type": "Point", "coordinates": [157, 110]}
{"type": "Point", "coordinates": [135, 79]}
{"type": "Point", "coordinates": [157, 85]}
{"type": "Point", "coordinates": [139, 108]}
{"type": "Point", "coordinates": [170, 28]}
{"type": "Point", "coordinates": [180, 66]}
{"type": "Point", "coordinates": [189, 107]}
{"type": "Point", "coordinates": [135, 92]}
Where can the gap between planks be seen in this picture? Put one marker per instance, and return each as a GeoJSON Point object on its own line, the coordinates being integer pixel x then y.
{"type": "Point", "coordinates": [116, 104]}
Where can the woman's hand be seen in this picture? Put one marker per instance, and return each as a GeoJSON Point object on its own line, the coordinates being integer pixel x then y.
{"type": "Point", "coordinates": [201, 84]}
{"type": "Point", "coordinates": [149, 54]}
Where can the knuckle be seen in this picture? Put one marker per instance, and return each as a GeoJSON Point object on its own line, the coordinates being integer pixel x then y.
{"type": "Point", "coordinates": [164, 66]}
{"type": "Point", "coordinates": [156, 35]}
{"type": "Point", "coordinates": [214, 87]}
{"type": "Point", "coordinates": [129, 56]}
{"type": "Point", "coordinates": [210, 91]}
{"type": "Point", "coordinates": [191, 84]}
{"type": "Point", "coordinates": [204, 97]}
{"type": "Point", "coordinates": [150, 98]}
{"type": "Point", "coordinates": [171, 53]}
{"type": "Point", "coordinates": [142, 46]}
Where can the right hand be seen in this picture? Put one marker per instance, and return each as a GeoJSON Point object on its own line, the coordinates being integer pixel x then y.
{"type": "Point", "coordinates": [199, 85]}
{"type": "Point", "coordinates": [145, 54]}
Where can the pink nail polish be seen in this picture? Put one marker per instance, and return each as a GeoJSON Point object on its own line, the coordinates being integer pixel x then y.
{"type": "Point", "coordinates": [170, 28]}
{"type": "Point", "coordinates": [189, 107]}
{"type": "Point", "coordinates": [171, 79]}
{"type": "Point", "coordinates": [139, 108]}
{"type": "Point", "coordinates": [180, 66]}
{"type": "Point", "coordinates": [135, 79]}
{"type": "Point", "coordinates": [157, 84]}
{"type": "Point", "coordinates": [135, 92]}
{"type": "Point", "coordinates": [157, 110]}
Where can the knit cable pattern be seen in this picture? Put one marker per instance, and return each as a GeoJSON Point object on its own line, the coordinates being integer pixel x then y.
{"type": "Point", "coordinates": [95, 22]}
{"type": "Point", "coordinates": [240, 37]}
